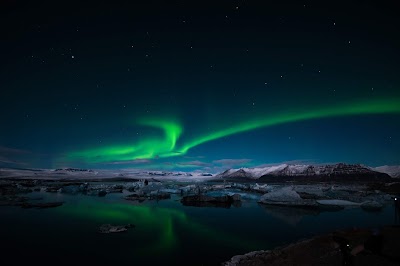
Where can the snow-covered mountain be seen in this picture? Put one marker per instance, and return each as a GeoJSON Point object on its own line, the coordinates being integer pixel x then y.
{"type": "Point", "coordinates": [255, 173]}
{"type": "Point", "coordinates": [392, 170]}
{"type": "Point", "coordinates": [276, 173]}
{"type": "Point", "coordinates": [288, 171]}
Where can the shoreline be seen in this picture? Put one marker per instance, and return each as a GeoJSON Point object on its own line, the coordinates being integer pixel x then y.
{"type": "Point", "coordinates": [324, 250]}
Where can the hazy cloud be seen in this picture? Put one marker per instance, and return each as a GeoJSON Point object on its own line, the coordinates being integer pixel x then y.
{"type": "Point", "coordinates": [4, 160]}
{"type": "Point", "coordinates": [303, 162]}
{"type": "Point", "coordinates": [196, 162]}
{"type": "Point", "coordinates": [12, 151]}
{"type": "Point", "coordinates": [11, 156]}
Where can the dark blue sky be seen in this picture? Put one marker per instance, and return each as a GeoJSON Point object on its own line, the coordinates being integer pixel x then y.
{"type": "Point", "coordinates": [198, 85]}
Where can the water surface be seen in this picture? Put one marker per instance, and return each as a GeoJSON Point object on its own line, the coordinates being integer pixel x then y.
{"type": "Point", "coordinates": [166, 232]}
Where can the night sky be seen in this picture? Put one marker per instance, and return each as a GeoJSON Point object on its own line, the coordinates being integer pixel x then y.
{"type": "Point", "coordinates": [198, 85]}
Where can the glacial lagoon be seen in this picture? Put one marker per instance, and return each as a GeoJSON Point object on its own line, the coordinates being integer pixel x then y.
{"type": "Point", "coordinates": [165, 232]}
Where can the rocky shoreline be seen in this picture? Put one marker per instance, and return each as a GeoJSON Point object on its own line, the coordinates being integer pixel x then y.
{"type": "Point", "coordinates": [331, 249]}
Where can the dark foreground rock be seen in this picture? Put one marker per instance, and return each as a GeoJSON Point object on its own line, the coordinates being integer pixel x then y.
{"type": "Point", "coordinates": [108, 228]}
{"type": "Point", "coordinates": [332, 249]}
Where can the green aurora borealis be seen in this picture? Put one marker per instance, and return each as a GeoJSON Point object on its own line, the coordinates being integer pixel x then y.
{"type": "Point", "coordinates": [198, 85]}
{"type": "Point", "coordinates": [168, 144]}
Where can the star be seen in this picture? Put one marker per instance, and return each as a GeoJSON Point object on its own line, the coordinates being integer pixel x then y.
{"type": "Point", "coordinates": [72, 56]}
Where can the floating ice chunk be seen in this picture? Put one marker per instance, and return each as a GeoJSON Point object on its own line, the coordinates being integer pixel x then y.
{"type": "Point", "coordinates": [285, 194]}
{"type": "Point", "coordinates": [338, 202]}
{"type": "Point", "coordinates": [170, 190]}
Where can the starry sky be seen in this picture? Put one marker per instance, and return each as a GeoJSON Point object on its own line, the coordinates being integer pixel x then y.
{"type": "Point", "coordinates": [198, 85]}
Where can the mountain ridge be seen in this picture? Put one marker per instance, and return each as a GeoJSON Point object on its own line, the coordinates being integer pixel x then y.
{"type": "Point", "coordinates": [275, 173]}
{"type": "Point", "coordinates": [299, 172]}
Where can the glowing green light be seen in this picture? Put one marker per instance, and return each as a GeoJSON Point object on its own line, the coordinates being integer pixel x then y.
{"type": "Point", "coordinates": [158, 146]}
{"type": "Point", "coordinates": [372, 107]}
{"type": "Point", "coordinates": [169, 143]}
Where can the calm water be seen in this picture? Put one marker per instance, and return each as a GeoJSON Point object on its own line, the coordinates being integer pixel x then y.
{"type": "Point", "coordinates": [166, 232]}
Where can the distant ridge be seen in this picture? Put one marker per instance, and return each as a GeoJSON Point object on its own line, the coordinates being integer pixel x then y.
{"type": "Point", "coordinates": [339, 172]}
{"type": "Point", "coordinates": [392, 170]}
{"type": "Point", "coordinates": [296, 172]}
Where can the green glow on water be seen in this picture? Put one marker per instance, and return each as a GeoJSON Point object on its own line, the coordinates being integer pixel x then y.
{"type": "Point", "coordinates": [156, 224]}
